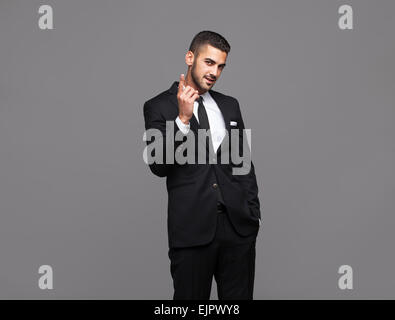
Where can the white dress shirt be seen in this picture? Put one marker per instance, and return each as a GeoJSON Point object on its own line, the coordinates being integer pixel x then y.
{"type": "Point", "coordinates": [215, 119]}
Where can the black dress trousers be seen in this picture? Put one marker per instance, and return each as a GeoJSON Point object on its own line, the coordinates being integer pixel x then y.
{"type": "Point", "coordinates": [229, 257]}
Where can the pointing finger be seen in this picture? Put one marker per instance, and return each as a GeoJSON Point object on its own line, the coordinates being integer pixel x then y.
{"type": "Point", "coordinates": [181, 84]}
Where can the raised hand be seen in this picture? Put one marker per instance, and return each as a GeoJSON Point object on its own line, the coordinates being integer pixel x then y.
{"type": "Point", "coordinates": [186, 96]}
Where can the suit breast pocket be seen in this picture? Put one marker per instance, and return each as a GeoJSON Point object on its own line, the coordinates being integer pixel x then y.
{"type": "Point", "coordinates": [233, 124]}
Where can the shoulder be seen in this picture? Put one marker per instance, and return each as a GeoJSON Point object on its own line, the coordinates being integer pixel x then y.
{"type": "Point", "coordinates": [229, 100]}
{"type": "Point", "coordinates": [223, 96]}
{"type": "Point", "coordinates": [158, 99]}
{"type": "Point", "coordinates": [158, 104]}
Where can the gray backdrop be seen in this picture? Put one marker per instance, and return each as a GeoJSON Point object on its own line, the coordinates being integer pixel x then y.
{"type": "Point", "coordinates": [76, 194]}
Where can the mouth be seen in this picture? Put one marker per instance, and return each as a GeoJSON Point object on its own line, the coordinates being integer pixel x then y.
{"type": "Point", "coordinates": [209, 80]}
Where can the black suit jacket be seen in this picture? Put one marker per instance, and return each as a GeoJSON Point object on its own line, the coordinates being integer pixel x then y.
{"type": "Point", "coordinates": [192, 197]}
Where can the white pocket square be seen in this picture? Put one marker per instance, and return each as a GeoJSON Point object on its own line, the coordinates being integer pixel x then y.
{"type": "Point", "coordinates": [233, 123]}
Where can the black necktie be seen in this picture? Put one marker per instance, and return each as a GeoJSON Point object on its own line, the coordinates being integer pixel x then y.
{"type": "Point", "coordinates": [202, 114]}
{"type": "Point", "coordinates": [204, 124]}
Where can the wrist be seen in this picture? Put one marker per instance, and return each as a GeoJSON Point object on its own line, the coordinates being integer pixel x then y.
{"type": "Point", "coordinates": [183, 119]}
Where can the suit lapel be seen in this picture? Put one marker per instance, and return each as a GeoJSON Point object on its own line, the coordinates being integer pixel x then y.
{"type": "Point", "coordinates": [222, 107]}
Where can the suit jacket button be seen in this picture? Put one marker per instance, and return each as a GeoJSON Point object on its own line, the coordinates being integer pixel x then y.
{"type": "Point", "coordinates": [215, 185]}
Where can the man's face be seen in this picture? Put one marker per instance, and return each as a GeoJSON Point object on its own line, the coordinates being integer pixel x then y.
{"type": "Point", "coordinates": [207, 67]}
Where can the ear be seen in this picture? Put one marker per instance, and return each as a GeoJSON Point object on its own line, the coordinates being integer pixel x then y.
{"type": "Point", "coordinates": [189, 57]}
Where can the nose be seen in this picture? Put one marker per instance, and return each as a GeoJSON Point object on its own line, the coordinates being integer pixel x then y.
{"type": "Point", "coordinates": [214, 73]}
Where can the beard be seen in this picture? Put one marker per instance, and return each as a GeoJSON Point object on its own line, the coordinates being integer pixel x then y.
{"type": "Point", "coordinates": [201, 85]}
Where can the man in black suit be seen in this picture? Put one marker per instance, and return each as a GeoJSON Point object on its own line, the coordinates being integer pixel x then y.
{"type": "Point", "coordinates": [213, 211]}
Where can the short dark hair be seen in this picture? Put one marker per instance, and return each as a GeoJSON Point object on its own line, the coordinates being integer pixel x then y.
{"type": "Point", "coordinates": [208, 37]}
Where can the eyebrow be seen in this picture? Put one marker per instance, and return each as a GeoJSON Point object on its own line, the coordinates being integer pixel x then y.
{"type": "Point", "coordinates": [211, 60]}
